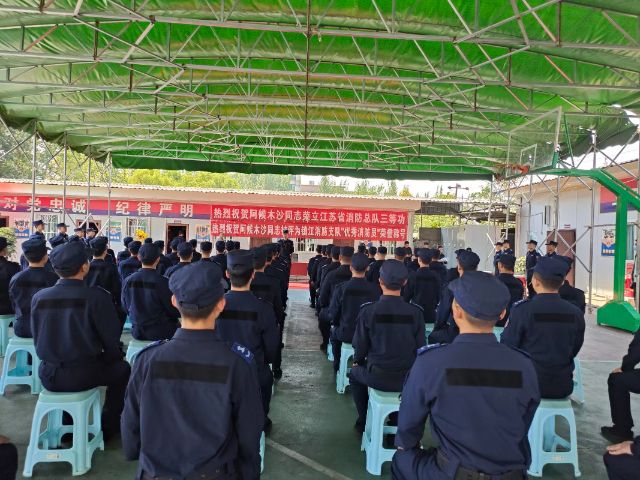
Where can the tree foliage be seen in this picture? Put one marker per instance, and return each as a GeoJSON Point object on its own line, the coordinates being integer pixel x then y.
{"type": "Point", "coordinates": [405, 192]}
{"type": "Point", "coordinates": [263, 182]}
{"type": "Point", "coordinates": [330, 185]}
{"type": "Point", "coordinates": [392, 189]}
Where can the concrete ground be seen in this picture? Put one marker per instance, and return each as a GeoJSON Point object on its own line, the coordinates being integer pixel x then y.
{"type": "Point", "coordinates": [312, 435]}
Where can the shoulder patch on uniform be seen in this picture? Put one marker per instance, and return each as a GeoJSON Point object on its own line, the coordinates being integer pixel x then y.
{"type": "Point", "coordinates": [519, 302]}
{"type": "Point", "coordinates": [243, 351]}
{"type": "Point", "coordinates": [518, 350]}
{"type": "Point", "coordinates": [367, 304]}
{"type": "Point", "coordinates": [426, 348]}
{"type": "Point", "coordinates": [151, 345]}
{"type": "Point", "coordinates": [417, 306]}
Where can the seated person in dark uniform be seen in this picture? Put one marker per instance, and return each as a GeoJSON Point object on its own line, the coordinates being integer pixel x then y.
{"type": "Point", "coordinates": [7, 271]}
{"type": "Point", "coordinates": [193, 404]}
{"type": "Point", "coordinates": [569, 293]}
{"type": "Point", "coordinates": [400, 255]}
{"type": "Point", "coordinates": [122, 256]}
{"type": "Point", "coordinates": [185, 252]}
{"type": "Point", "coordinates": [505, 265]}
{"type": "Point", "coordinates": [372, 251]}
{"type": "Point", "coordinates": [126, 241]}
{"type": "Point", "coordinates": [220, 258]}
{"type": "Point", "coordinates": [312, 260]}
{"type": "Point", "coordinates": [249, 321]}
{"type": "Point", "coordinates": [415, 263]}
{"type": "Point", "coordinates": [373, 275]}
{"type": "Point", "coordinates": [548, 328]}
{"type": "Point", "coordinates": [272, 271]}
{"type": "Point", "coordinates": [445, 328]}
{"type": "Point", "coordinates": [459, 387]}
{"type": "Point", "coordinates": [230, 245]}
{"type": "Point", "coordinates": [388, 335]}
{"type": "Point", "coordinates": [76, 333]}
{"type": "Point", "coordinates": [436, 265]}
{"type": "Point", "coordinates": [623, 460]}
{"type": "Point", "coordinates": [345, 305]}
{"type": "Point", "coordinates": [132, 264]}
{"type": "Point", "coordinates": [196, 255]}
{"type": "Point", "coordinates": [26, 283]}
{"type": "Point", "coordinates": [268, 289]}
{"type": "Point", "coordinates": [423, 286]}
{"type": "Point", "coordinates": [147, 300]}
{"type": "Point", "coordinates": [623, 381]}
{"type": "Point", "coordinates": [105, 275]}
{"type": "Point", "coordinates": [165, 263]}
{"type": "Point", "coordinates": [173, 256]}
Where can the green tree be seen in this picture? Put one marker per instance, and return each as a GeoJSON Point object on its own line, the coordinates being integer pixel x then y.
{"type": "Point", "coordinates": [330, 185]}
{"type": "Point", "coordinates": [392, 189]}
{"type": "Point", "coordinates": [263, 181]}
{"type": "Point", "coordinates": [365, 188]}
{"type": "Point", "coordinates": [405, 192]}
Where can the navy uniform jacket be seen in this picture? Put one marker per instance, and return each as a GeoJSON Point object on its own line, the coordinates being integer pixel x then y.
{"type": "Point", "coordinates": [105, 275]}
{"type": "Point", "coordinates": [414, 265]}
{"type": "Point", "coordinates": [328, 268]}
{"type": "Point", "coordinates": [516, 290]}
{"type": "Point", "coordinates": [268, 289]}
{"type": "Point", "coordinates": [315, 270]}
{"type": "Point", "coordinates": [407, 262]}
{"type": "Point", "coordinates": [273, 272]}
{"type": "Point", "coordinates": [147, 299]}
{"type": "Point", "coordinates": [197, 256]}
{"type": "Point", "coordinates": [194, 387]}
{"type": "Point", "coordinates": [452, 274]}
{"type": "Point", "coordinates": [439, 269]}
{"type": "Point", "coordinates": [164, 264]}
{"type": "Point", "coordinates": [573, 295]}
{"type": "Point", "coordinates": [632, 358]}
{"type": "Point", "coordinates": [312, 260]}
{"type": "Point", "coordinates": [175, 268]}
{"type": "Point", "coordinates": [551, 330]}
{"type": "Point", "coordinates": [221, 259]}
{"type": "Point", "coordinates": [496, 257]}
{"type": "Point", "coordinates": [173, 258]}
{"type": "Point", "coordinates": [508, 251]}
{"type": "Point", "coordinates": [345, 303]}
{"type": "Point", "coordinates": [531, 260]}
{"type": "Point", "coordinates": [444, 313]}
{"type": "Point", "coordinates": [331, 279]}
{"type": "Point", "coordinates": [459, 387]}
{"type": "Point", "coordinates": [389, 333]}
{"type": "Point", "coordinates": [7, 271]}
{"type": "Point", "coordinates": [373, 275]}
{"type": "Point", "coordinates": [423, 288]}
{"type": "Point", "coordinates": [287, 246]}
{"type": "Point", "coordinates": [21, 290]}
{"type": "Point", "coordinates": [129, 266]}
{"type": "Point", "coordinates": [554, 254]}
{"type": "Point", "coordinates": [250, 322]}
{"type": "Point", "coordinates": [73, 323]}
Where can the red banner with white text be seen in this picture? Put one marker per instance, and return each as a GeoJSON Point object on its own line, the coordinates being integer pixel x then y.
{"type": "Point", "coordinates": [308, 223]}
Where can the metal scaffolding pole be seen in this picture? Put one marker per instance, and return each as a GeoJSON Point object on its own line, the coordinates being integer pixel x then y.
{"type": "Point", "coordinates": [64, 179]}
{"type": "Point", "coordinates": [591, 227]}
{"type": "Point", "coordinates": [556, 215]}
{"type": "Point", "coordinates": [109, 198]}
{"type": "Point", "coordinates": [34, 168]}
{"type": "Point", "coordinates": [88, 190]}
{"type": "Point", "coordinates": [635, 256]}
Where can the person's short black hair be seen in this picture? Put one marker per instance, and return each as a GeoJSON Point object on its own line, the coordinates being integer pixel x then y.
{"type": "Point", "coordinates": [148, 262]}
{"type": "Point", "coordinates": [99, 250]}
{"type": "Point", "coordinates": [66, 272]}
{"type": "Point", "coordinates": [185, 257]}
{"type": "Point", "coordinates": [336, 256]}
{"type": "Point", "coordinates": [199, 314]}
{"type": "Point", "coordinates": [470, 268]}
{"type": "Point", "coordinates": [406, 241]}
{"type": "Point", "coordinates": [239, 277]}
{"type": "Point", "coordinates": [393, 288]}
{"type": "Point", "coordinates": [511, 267]}
{"type": "Point", "coordinates": [259, 263]}
{"type": "Point", "coordinates": [469, 249]}
{"type": "Point", "coordinates": [549, 283]}
{"type": "Point", "coordinates": [34, 257]}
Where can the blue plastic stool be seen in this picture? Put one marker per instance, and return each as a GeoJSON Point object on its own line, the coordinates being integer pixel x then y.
{"type": "Point", "coordinates": [273, 386]}
{"type": "Point", "coordinates": [428, 328]}
{"type": "Point", "coordinates": [497, 331]}
{"type": "Point", "coordinates": [262, 452]}
{"type": "Point", "coordinates": [381, 404]}
{"type": "Point", "coordinates": [22, 373]}
{"type": "Point", "coordinates": [544, 440]}
{"type": "Point", "coordinates": [330, 350]}
{"type": "Point", "coordinates": [5, 320]}
{"type": "Point", "coordinates": [346, 352]}
{"type": "Point", "coordinates": [134, 348]}
{"type": "Point", "coordinates": [78, 406]}
{"type": "Point", "coordinates": [127, 325]}
{"type": "Point", "coordinates": [578, 391]}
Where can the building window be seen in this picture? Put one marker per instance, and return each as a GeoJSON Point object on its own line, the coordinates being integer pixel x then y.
{"type": "Point", "coordinates": [135, 224]}
{"type": "Point", "coordinates": [306, 244]}
{"type": "Point", "coordinates": [50, 221]}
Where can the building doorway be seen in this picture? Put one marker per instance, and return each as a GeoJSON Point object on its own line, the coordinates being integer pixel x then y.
{"type": "Point", "coordinates": [569, 236]}
{"type": "Point", "coordinates": [176, 230]}
{"type": "Point", "coordinates": [259, 241]}
{"type": "Point", "coordinates": [4, 222]}
{"type": "Point", "coordinates": [90, 224]}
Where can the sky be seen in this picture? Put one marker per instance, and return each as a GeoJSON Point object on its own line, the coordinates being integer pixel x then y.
{"type": "Point", "coordinates": [416, 187]}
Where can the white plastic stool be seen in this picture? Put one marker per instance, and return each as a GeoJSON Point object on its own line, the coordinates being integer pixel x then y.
{"type": "Point", "coordinates": [381, 405]}
{"type": "Point", "coordinates": [134, 348]}
{"type": "Point", "coordinates": [22, 373]}
{"type": "Point", "coordinates": [544, 441]}
{"type": "Point", "coordinates": [578, 391]}
{"type": "Point", "coordinates": [78, 405]}
{"type": "Point", "coordinates": [5, 320]}
{"type": "Point", "coordinates": [346, 352]}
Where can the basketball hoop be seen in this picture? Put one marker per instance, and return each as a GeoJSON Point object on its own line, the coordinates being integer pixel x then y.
{"type": "Point", "coordinates": [514, 168]}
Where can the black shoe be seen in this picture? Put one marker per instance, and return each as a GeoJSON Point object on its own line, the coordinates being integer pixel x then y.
{"type": "Point", "coordinates": [268, 424]}
{"type": "Point", "coordinates": [313, 305]}
{"type": "Point", "coordinates": [277, 373]}
{"type": "Point", "coordinates": [110, 435]}
{"type": "Point", "coordinates": [616, 436]}
{"type": "Point", "coordinates": [323, 346]}
{"type": "Point", "coordinates": [358, 431]}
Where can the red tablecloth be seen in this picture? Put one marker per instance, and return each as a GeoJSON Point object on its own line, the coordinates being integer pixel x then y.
{"type": "Point", "coordinates": [299, 269]}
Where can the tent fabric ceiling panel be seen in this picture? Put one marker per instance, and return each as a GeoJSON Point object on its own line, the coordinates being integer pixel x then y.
{"type": "Point", "coordinates": [373, 88]}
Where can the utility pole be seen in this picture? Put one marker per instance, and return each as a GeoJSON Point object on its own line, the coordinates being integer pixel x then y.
{"type": "Point", "coordinates": [458, 187]}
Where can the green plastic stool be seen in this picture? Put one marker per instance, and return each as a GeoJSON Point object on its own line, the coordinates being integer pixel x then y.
{"type": "Point", "coordinates": [22, 373]}
{"type": "Point", "coordinates": [78, 405]}
{"type": "Point", "coordinates": [5, 320]}
{"type": "Point", "coordinates": [134, 348]}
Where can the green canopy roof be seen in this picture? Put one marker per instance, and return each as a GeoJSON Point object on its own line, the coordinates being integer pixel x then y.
{"type": "Point", "coordinates": [374, 88]}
